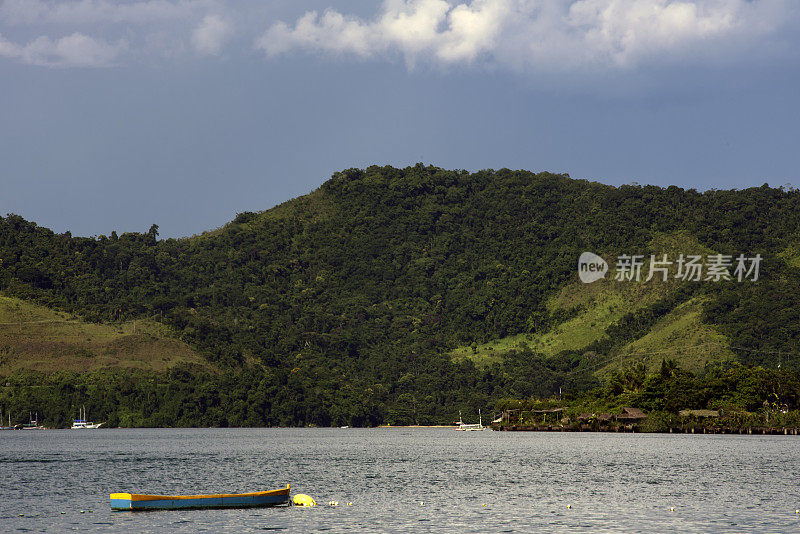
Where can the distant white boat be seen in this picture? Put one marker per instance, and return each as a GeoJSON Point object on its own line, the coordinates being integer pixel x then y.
{"type": "Point", "coordinates": [464, 427]}
{"type": "Point", "coordinates": [82, 422]}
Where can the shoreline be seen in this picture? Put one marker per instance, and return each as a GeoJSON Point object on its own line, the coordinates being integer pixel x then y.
{"type": "Point", "coordinates": [414, 426]}
{"type": "Point", "coordinates": [743, 431]}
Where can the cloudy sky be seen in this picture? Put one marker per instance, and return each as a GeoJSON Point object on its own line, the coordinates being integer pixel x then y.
{"type": "Point", "coordinates": [115, 115]}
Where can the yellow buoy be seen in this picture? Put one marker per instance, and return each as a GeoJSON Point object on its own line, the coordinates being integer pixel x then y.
{"type": "Point", "coordinates": [569, 506]}
{"type": "Point", "coordinates": [349, 504]}
{"type": "Point", "coordinates": [422, 503]}
{"type": "Point", "coordinates": [302, 499]}
{"type": "Point", "coordinates": [672, 509]}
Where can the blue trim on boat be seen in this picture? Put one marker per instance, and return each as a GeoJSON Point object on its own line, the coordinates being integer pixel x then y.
{"type": "Point", "coordinates": [233, 501]}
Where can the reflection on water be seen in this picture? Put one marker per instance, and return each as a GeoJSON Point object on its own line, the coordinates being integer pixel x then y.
{"type": "Point", "coordinates": [554, 482]}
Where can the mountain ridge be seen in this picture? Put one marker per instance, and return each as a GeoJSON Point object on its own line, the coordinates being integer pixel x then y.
{"type": "Point", "coordinates": [356, 294]}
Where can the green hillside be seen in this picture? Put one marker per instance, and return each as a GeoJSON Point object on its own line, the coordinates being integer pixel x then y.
{"type": "Point", "coordinates": [590, 311]}
{"type": "Point", "coordinates": [583, 313]}
{"type": "Point", "coordinates": [404, 295]}
{"type": "Point", "coordinates": [680, 336]}
{"type": "Point", "coordinates": [36, 338]}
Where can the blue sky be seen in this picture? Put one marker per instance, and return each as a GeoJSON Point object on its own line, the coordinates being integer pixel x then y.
{"type": "Point", "coordinates": [118, 115]}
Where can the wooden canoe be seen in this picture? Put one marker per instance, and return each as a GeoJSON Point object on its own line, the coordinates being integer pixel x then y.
{"type": "Point", "coordinates": [133, 501]}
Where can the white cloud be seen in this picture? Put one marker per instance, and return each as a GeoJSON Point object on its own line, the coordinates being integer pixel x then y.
{"type": "Point", "coordinates": [624, 31]}
{"type": "Point", "coordinates": [560, 34]}
{"type": "Point", "coordinates": [148, 28]}
{"type": "Point", "coordinates": [535, 35]}
{"type": "Point", "coordinates": [75, 50]}
{"type": "Point", "coordinates": [212, 33]}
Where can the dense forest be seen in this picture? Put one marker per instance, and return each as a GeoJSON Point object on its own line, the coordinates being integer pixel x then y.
{"type": "Point", "coordinates": [344, 306]}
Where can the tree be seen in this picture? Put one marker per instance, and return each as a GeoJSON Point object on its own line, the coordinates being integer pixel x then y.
{"type": "Point", "coordinates": [153, 234]}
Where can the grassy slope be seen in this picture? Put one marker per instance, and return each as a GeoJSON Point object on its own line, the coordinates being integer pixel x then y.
{"type": "Point", "coordinates": [37, 338]}
{"type": "Point", "coordinates": [680, 335]}
{"type": "Point", "coordinates": [599, 305]}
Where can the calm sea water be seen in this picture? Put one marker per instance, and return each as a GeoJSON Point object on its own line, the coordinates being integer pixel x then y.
{"type": "Point", "coordinates": [59, 480]}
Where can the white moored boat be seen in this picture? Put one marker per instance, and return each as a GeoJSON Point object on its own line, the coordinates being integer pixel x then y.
{"type": "Point", "coordinates": [82, 422]}
{"type": "Point", "coordinates": [470, 427]}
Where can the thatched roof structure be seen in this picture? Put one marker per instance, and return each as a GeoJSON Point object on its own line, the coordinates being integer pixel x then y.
{"type": "Point", "coordinates": [631, 415]}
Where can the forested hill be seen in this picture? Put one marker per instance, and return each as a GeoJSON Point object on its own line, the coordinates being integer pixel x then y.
{"type": "Point", "coordinates": [402, 295]}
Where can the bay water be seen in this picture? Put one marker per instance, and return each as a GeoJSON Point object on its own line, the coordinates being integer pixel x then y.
{"type": "Point", "coordinates": [404, 480]}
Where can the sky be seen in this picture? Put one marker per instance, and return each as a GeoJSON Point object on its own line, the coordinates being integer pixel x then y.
{"type": "Point", "coordinates": [116, 115]}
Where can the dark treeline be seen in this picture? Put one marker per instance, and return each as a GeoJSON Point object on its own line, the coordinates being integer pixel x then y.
{"type": "Point", "coordinates": [750, 396]}
{"type": "Point", "coordinates": [339, 307]}
{"type": "Point", "coordinates": [743, 396]}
